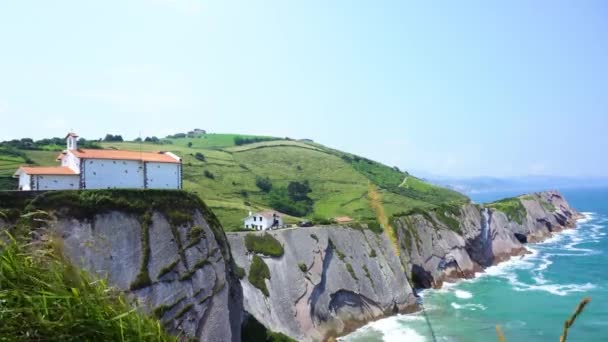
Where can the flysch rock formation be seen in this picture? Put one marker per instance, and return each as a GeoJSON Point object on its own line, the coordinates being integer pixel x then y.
{"type": "Point", "coordinates": [181, 273]}
{"type": "Point", "coordinates": [354, 276]}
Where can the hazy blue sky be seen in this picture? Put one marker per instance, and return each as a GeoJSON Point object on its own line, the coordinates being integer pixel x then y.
{"type": "Point", "coordinates": [453, 88]}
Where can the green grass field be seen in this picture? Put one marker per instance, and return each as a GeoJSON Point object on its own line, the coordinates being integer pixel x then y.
{"type": "Point", "coordinates": [339, 181]}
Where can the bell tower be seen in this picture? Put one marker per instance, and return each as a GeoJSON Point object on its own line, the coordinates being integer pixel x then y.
{"type": "Point", "coordinates": [72, 141]}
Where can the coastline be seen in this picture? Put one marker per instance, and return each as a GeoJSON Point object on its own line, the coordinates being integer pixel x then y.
{"type": "Point", "coordinates": [528, 251]}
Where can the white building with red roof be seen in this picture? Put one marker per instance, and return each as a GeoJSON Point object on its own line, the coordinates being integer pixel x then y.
{"type": "Point", "coordinates": [104, 169]}
{"type": "Point", "coordinates": [263, 220]}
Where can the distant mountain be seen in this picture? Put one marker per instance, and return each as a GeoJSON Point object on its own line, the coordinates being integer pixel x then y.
{"type": "Point", "coordinates": [521, 184]}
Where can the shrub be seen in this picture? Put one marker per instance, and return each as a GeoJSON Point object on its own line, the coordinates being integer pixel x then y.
{"type": "Point", "coordinates": [45, 298]}
{"type": "Point", "coordinates": [208, 174]}
{"type": "Point", "coordinates": [292, 200]}
{"type": "Point", "coordinates": [199, 156]}
{"type": "Point", "coordinates": [350, 270]}
{"type": "Point", "coordinates": [298, 191]}
{"type": "Point", "coordinates": [258, 273]}
{"type": "Point", "coordinates": [264, 244]}
{"type": "Point", "coordinates": [239, 271]}
{"type": "Point", "coordinates": [302, 267]}
{"type": "Point", "coordinates": [372, 253]}
{"type": "Point", "coordinates": [243, 140]}
{"type": "Point", "coordinates": [189, 143]}
{"type": "Point", "coordinates": [263, 183]}
{"type": "Point", "coordinates": [254, 331]}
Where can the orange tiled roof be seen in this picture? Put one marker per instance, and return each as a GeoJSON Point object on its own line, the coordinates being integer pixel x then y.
{"type": "Point", "coordinates": [125, 155]}
{"type": "Point", "coordinates": [43, 170]}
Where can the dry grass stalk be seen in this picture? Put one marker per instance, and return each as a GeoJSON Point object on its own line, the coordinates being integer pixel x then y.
{"type": "Point", "coordinates": [568, 323]}
{"type": "Point", "coordinates": [501, 336]}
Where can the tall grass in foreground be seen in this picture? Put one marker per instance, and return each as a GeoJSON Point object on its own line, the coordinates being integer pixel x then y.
{"type": "Point", "coordinates": [44, 298]}
{"type": "Point", "coordinates": [375, 200]}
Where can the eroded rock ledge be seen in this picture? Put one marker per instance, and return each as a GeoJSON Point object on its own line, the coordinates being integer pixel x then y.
{"type": "Point", "coordinates": [333, 279]}
{"type": "Point", "coordinates": [165, 249]}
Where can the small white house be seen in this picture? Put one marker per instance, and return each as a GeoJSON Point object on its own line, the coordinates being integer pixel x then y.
{"type": "Point", "coordinates": [104, 169]}
{"type": "Point", "coordinates": [263, 220]}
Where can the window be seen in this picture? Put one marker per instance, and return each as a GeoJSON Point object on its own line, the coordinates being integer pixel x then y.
{"type": "Point", "coordinates": [254, 218]}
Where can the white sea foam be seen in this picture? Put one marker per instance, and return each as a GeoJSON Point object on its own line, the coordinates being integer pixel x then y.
{"type": "Point", "coordinates": [556, 289]}
{"type": "Point", "coordinates": [472, 307]}
{"type": "Point", "coordinates": [393, 329]}
{"type": "Point", "coordinates": [463, 294]}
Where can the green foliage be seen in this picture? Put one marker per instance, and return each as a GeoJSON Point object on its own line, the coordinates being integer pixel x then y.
{"type": "Point", "coordinates": [194, 236]}
{"type": "Point", "coordinates": [279, 199]}
{"type": "Point", "coordinates": [258, 273]}
{"type": "Point", "coordinates": [292, 200]}
{"type": "Point", "coordinates": [199, 156]}
{"type": "Point", "coordinates": [547, 206]}
{"type": "Point", "coordinates": [298, 191]}
{"type": "Point", "coordinates": [263, 244]}
{"type": "Point", "coordinates": [113, 138]}
{"type": "Point", "coordinates": [512, 207]}
{"type": "Point", "coordinates": [239, 140]}
{"type": "Point", "coordinates": [143, 277]}
{"type": "Point", "coordinates": [350, 270]}
{"type": "Point", "coordinates": [366, 270]}
{"type": "Point", "coordinates": [209, 174]}
{"type": "Point", "coordinates": [264, 183]}
{"type": "Point", "coordinates": [374, 226]}
{"type": "Point", "coordinates": [372, 253]}
{"type": "Point", "coordinates": [44, 298]}
{"type": "Point", "coordinates": [254, 331]}
{"type": "Point", "coordinates": [302, 267]}
{"type": "Point", "coordinates": [239, 271]}
{"type": "Point", "coordinates": [165, 270]}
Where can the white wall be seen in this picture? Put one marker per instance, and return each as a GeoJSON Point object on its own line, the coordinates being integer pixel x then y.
{"type": "Point", "coordinates": [56, 182]}
{"type": "Point", "coordinates": [24, 181]}
{"type": "Point", "coordinates": [106, 173]}
{"type": "Point", "coordinates": [265, 223]}
{"type": "Point", "coordinates": [71, 161]}
{"type": "Point", "coordinates": [163, 175]}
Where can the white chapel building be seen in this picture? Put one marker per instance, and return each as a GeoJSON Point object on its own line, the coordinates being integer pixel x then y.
{"type": "Point", "coordinates": [104, 169]}
{"type": "Point", "coordinates": [263, 220]}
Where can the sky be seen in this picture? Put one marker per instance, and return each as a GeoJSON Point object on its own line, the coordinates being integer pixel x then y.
{"type": "Point", "coordinates": [453, 88]}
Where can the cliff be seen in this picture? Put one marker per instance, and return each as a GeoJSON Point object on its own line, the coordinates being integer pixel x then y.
{"type": "Point", "coordinates": [330, 280]}
{"type": "Point", "coordinates": [165, 249]}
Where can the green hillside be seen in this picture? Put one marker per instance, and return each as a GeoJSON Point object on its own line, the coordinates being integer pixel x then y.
{"type": "Point", "coordinates": [298, 177]}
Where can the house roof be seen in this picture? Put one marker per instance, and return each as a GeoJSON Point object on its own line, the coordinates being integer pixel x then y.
{"type": "Point", "coordinates": [43, 170]}
{"type": "Point", "coordinates": [71, 134]}
{"type": "Point", "coordinates": [343, 219]}
{"type": "Point", "coordinates": [159, 157]}
{"type": "Point", "coordinates": [266, 214]}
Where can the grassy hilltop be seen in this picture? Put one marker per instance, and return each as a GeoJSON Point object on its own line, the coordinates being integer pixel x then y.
{"type": "Point", "coordinates": [237, 173]}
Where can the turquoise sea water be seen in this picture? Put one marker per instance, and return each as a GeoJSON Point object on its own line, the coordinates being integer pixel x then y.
{"type": "Point", "coordinates": [528, 297]}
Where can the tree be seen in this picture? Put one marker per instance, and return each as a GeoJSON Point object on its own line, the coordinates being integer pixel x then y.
{"type": "Point", "coordinates": [299, 191]}
{"type": "Point", "coordinates": [110, 137]}
{"type": "Point", "coordinates": [189, 143]}
{"type": "Point", "coordinates": [264, 183]}
{"type": "Point", "coordinates": [199, 156]}
{"type": "Point", "coordinates": [154, 140]}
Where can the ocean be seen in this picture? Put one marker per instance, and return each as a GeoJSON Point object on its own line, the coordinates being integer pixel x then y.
{"type": "Point", "coordinates": [529, 297]}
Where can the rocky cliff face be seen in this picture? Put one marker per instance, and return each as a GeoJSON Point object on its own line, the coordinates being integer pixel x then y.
{"type": "Point", "coordinates": [352, 276]}
{"type": "Point", "coordinates": [175, 263]}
